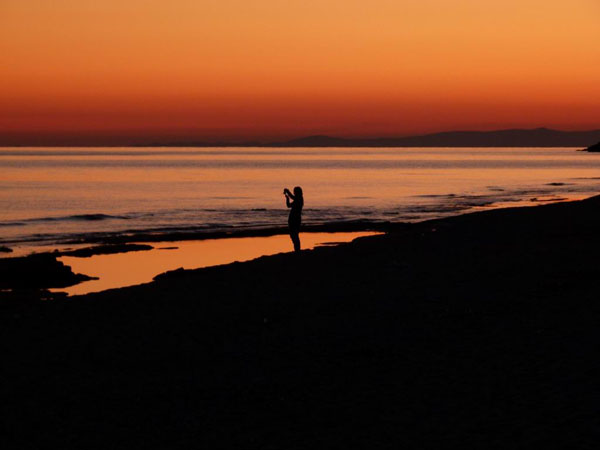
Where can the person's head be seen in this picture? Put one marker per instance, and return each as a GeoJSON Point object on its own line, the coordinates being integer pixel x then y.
{"type": "Point", "coordinates": [298, 191]}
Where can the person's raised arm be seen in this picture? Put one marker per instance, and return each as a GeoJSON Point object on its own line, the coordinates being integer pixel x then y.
{"type": "Point", "coordinates": [288, 196]}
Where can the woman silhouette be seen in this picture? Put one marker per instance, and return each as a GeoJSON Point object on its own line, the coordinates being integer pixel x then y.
{"type": "Point", "coordinates": [294, 201]}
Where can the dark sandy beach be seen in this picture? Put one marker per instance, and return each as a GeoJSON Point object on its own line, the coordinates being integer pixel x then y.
{"type": "Point", "coordinates": [480, 331]}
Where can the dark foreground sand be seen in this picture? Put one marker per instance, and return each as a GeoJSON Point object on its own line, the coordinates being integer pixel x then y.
{"type": "Point", "coordinates": [478, 331]}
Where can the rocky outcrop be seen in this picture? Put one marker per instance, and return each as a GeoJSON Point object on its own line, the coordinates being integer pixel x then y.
{"type": "Point", "coordinates": [593, 148]}
{"type": "Point", "coordinates": [41, 271]}
{"type": "Point", "coordinates": [109, 249]}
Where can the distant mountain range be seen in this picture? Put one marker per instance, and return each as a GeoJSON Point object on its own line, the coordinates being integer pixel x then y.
{"type": "Point", "coordinates": [539, 137]}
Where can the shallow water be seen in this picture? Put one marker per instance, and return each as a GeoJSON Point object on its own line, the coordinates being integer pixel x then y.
{"type": "Point", "coordinates": [126, 269]}
{"type": "Point", "coordinates": [53, 196]}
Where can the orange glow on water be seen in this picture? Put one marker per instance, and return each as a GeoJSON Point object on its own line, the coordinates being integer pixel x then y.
{"type": "Point", "coordinates": [266, 69]}
{"type": "Point", "coordinates": [143, 266]}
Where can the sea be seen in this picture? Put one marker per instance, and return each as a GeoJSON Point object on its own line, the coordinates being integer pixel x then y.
{"type": "Point", "coordinates": [53, 197]}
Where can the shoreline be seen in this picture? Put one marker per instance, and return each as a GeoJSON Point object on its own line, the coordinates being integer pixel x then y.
{"type": "Point", "coordinates": [18, 270]}
{"type": "Point", "coordinates": [59, 272]}
{"type": "Point", "coordinates": [111, 241]}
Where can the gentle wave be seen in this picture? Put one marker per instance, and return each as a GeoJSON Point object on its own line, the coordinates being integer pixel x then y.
{"type": "Point", "coordinates": [422, 205]}
{"type": "Point", "coordinates": [55, 195]}
{"type": "Point", "coordinates": [71, 218]}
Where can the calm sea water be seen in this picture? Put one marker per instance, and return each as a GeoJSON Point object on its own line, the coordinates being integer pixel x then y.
{"type": "Point", "coordinates": [49, 196]}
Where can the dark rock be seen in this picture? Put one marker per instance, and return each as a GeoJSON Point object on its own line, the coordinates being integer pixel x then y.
{"type": "Point", "coordinates": [105, 250]}
{"type": "Point", "coordinates": [5, 249]}
{"type": "Point", "coordinates": [593, 148]}
{"type": "Point", "coordinates": [35, 272]}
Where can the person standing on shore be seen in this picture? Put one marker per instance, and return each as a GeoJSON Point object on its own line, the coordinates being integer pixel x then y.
{"type": "Point", "coordinates": [294, 201]}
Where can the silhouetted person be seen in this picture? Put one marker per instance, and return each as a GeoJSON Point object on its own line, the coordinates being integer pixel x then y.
{"type": "Point", "coordinates": [294, 201]}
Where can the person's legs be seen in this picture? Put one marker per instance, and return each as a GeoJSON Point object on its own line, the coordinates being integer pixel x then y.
{"type": "Point", "coordinates": [295, 235]}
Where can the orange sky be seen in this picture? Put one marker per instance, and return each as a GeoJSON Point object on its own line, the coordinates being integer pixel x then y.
{"type": "Point", "coordinates": [77, 70]}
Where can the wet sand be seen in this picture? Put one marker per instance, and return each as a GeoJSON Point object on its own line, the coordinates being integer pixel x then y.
{"type": "Point", "coordinates": [478, 331]}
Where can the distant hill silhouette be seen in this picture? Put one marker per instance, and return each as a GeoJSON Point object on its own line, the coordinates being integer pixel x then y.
{"type": "Point", "coordinates": [539, 137]}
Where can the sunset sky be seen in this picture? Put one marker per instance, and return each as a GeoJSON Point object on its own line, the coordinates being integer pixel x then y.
{"type": "Point", "coordinates": [109, 71]}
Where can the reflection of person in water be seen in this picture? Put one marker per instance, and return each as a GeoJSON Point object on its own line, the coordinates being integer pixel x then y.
{"type": "Point", "coordinates": [294, 201]}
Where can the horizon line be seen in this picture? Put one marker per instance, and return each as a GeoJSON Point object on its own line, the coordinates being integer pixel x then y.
{"type": "Point", "coordinates": [283, 142]}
